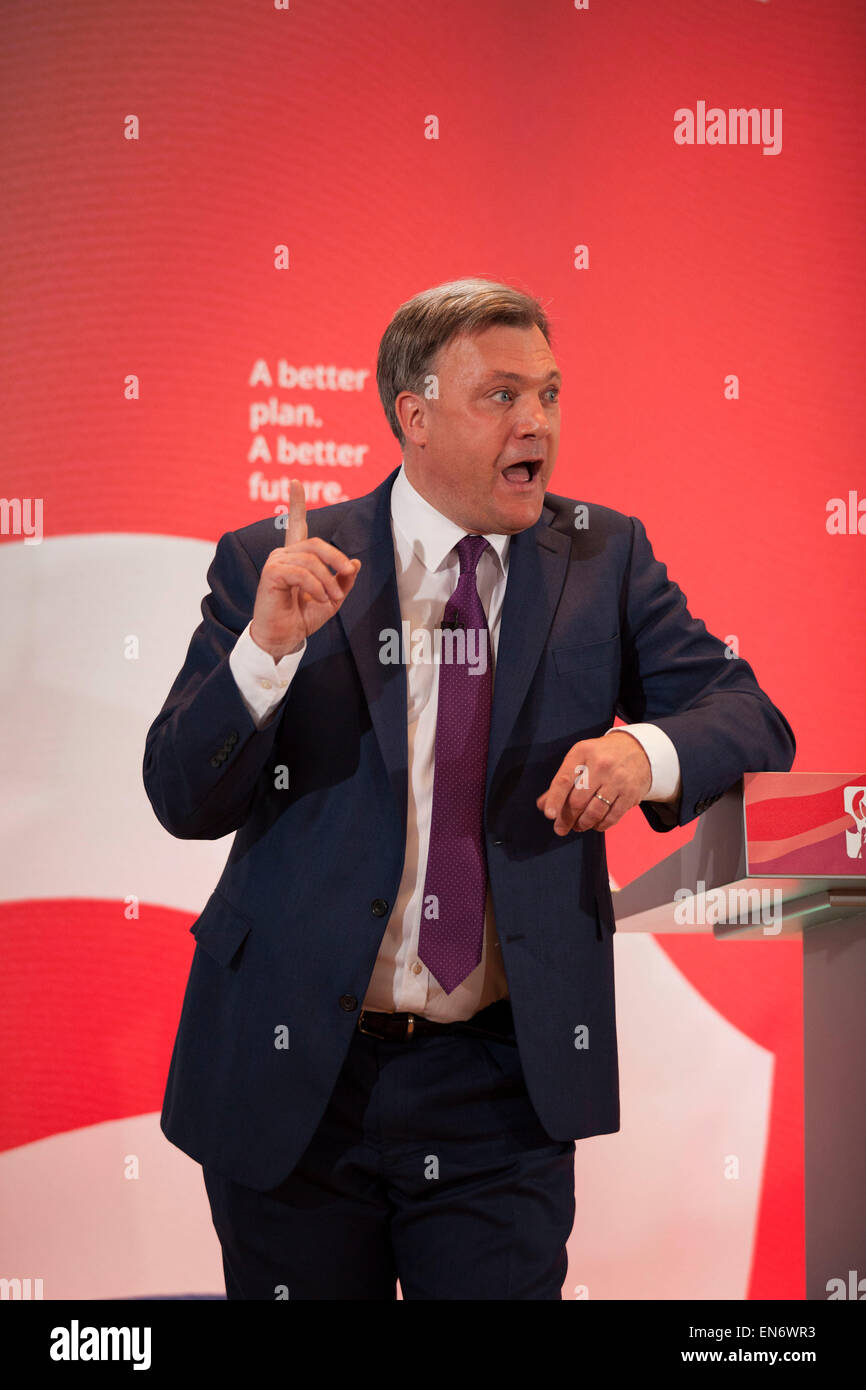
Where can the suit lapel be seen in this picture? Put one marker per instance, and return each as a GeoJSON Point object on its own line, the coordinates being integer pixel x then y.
{"type": "Point", "coordinates": [537, 564]}
{"type": "Point", "coordinates": [372, 605]}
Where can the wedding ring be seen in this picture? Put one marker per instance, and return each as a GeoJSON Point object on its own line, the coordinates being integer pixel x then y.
{"type": "Point", "coordinates": [604, 799]}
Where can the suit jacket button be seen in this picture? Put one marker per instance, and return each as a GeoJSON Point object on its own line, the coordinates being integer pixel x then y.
{"type": "Point", "coordinates": [378, 907]}
{"type": "Point", "coordinates": [348, 1002]}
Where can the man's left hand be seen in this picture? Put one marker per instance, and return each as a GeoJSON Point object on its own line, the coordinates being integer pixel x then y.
{"type": "Point", "coordinates": [617, 771]}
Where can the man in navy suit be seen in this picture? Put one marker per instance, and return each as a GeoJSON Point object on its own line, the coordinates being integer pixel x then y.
{"type": "Point", "coordinates": [400, 1012]}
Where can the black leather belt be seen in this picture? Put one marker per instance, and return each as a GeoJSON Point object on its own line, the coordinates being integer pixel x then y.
{"type": "Point", "coordinates": [494, 1022]}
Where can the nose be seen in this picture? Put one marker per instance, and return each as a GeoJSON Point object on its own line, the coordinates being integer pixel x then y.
{"type": "Point", "coordinates": [534, 422]}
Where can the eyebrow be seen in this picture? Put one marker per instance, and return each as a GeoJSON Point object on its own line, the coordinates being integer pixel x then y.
{"type": "Point", "coordinates": [555, 375]}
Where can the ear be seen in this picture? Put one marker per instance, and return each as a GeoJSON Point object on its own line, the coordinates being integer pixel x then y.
{"type": "Point", "coordinates": [413, 412]}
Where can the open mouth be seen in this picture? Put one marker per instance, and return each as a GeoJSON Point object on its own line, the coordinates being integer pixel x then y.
{"type": "Point", "coordinates": [523, 473]}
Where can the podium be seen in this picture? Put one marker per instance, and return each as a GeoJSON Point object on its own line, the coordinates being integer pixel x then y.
{"type": "Point", "coordinates": [783, 854]}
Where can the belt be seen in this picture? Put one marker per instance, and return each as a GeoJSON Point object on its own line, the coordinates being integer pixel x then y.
{"type": "Point", "coordinates": [403, 1027]}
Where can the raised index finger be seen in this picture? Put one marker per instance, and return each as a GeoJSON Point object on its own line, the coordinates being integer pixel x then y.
{"type": "Point", "coordinates": [296, 522]}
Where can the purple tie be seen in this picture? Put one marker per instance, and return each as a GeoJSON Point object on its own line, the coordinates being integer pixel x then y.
{"type": "Point", "coordinates": [455, 889]}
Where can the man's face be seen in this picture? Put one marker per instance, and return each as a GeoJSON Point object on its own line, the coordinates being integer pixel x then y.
{"type": "Point", "coordinates": [497, 409]}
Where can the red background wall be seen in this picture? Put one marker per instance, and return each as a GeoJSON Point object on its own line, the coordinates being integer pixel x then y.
{"type": "Point", "coordinates": [258, 127]}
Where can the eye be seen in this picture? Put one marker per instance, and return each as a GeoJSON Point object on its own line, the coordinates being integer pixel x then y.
{"type": "Point", "coordinates": [503, 391]}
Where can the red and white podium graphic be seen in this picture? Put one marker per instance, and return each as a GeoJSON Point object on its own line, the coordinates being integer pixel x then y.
{"type": "Point", "coordinates": [782, 855]}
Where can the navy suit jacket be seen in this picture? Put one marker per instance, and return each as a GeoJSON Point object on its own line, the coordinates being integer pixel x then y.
{"type": "Point", "coordinates": [591, 628]}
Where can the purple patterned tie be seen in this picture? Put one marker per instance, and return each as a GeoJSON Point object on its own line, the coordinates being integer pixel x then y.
{"type": "Point", "coordinates": [455, 889]}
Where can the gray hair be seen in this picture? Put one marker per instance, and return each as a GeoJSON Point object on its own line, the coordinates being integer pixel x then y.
{"type": "Point", "coordinates": [425, 323]}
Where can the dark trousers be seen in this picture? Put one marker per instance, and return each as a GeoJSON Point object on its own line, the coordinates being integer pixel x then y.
{"type": "Point", "coordinates": [429, 1166]}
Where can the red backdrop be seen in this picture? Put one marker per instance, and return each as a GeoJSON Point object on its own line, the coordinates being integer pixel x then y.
{"type": "Point", "coordinates": [154, 257]}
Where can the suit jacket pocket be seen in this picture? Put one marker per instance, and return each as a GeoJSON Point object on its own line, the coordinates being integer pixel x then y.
{"type": "Point", "coordinates": [586, 655]}
{"type": "Point", "coordinates": [221, 929]}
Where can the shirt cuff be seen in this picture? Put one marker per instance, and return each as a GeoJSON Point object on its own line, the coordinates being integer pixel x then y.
{"type": "Point", "coordinates": [261, 681]}
{"type": "Point", "coordinates": [664, 762]}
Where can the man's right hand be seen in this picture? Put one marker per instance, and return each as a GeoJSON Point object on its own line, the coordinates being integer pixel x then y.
{"type": "Point", "coordinates": [297, 592]}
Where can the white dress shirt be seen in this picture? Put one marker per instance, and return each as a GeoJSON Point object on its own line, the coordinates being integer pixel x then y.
{"type": "Point", "coordinates": [428, 568]}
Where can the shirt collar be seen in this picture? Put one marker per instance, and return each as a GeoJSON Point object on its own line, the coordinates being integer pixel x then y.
{"type": "Point", "coordinates": [431, 535]}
